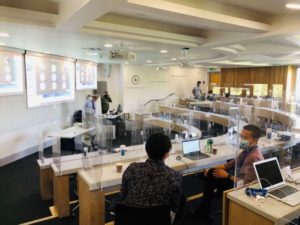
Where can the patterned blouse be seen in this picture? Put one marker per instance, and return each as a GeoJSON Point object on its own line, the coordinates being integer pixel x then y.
{"type": "Point", "coordinates": [151, 183]}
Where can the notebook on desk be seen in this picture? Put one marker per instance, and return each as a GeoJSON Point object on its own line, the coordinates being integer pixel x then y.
{"type": "Point", "coordinates": [269, 177]}
{"type": "Point", "coordinates": [191, 149]}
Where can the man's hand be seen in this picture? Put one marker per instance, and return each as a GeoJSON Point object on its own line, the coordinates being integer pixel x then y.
{"type": "Point", "coordinates": [220, 173]}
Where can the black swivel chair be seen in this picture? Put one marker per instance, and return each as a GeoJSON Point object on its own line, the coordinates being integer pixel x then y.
{"type": "Point", "coordinates": [129, 215]}
{"type": "Point", "coordinates": [77, 117]}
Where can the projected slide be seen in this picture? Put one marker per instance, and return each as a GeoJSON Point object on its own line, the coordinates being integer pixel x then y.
{"type": "Point", "coordinates": [86, 75]}
{"type": "Point", "coordinates": [11, 73]}
{"type": "Point", "coordinates": [49, 80]}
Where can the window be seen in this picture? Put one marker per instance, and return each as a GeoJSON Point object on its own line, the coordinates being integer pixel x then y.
{"type": "Point", "coordinates": [260, 89]}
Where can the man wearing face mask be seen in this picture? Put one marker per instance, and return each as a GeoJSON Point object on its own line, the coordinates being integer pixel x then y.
{"type": "Point", "coordinates": [219, 178]}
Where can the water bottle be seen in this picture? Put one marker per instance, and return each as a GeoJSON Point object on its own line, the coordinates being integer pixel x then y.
{"type": "Point", "coordinates": [85, 160]}
{"type": "Point", "coordinates": [122, 150]}
{"type": "Point", "coordinates": [209, 146]}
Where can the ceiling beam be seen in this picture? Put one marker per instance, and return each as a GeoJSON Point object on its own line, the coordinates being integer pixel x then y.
{"type": "Point", "coordinates": [202, 15]}
{"type": "Point", "coordinates": [73, 14]}
{"type": "Point", "coordinates": [142, 34]}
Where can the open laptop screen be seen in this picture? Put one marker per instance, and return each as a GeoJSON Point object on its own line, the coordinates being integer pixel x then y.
{"type": "Point", "coordinates": [268, 173]}
{"type": "Point", "coordinates": [190, 146]}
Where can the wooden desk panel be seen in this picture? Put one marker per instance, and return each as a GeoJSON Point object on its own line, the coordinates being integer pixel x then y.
{"type": "Point", "coordinates": [239, 215]}
{"type": "Point", "coordinates": [46, 183]}
{"type": "Point", "coordinates": [92, 205]}
{"type": "Point", "coordinates": [61, 195]}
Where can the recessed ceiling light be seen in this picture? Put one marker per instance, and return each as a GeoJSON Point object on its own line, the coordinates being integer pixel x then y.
{"type": "Point", "coordinates": [173, 59]}
{"type": "Point", "coordinates": [149, 61]}
{"type": "Point", "coordinates": [2, 44]}
{"type": "Point", "coordinates": [91, 53]}
{"type": "Point", "coordinates": [163, 51]}
{"type": "Point", "coordinates": [293, 5]}
{"type": "Point", "coordinates": [108, 45]}
{"type": "Point", "coordinates": [4, 34]}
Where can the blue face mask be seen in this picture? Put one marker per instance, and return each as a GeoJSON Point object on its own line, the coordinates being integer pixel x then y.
{"type": "Point", "coordinates": [244, 144]}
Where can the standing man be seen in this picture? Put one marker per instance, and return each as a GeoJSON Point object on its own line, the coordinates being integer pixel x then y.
{"type": "Point", "coordinates": [105, 99]}
{"type": "Point", "coordinates": [197, 91]}
{"type": "Point", "coordinates": [219, 178]}
{"type": "Point", "coordinates": [89, 106]}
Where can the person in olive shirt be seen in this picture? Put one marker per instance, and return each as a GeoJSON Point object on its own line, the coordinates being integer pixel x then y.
{"type": "Point", "coordinates": [152, 183]}
{"type": "Point", "coordinates": [105, 100]}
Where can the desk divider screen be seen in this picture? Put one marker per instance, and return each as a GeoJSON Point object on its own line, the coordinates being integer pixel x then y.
{"type": "Point", "coordinates": [276, 141]}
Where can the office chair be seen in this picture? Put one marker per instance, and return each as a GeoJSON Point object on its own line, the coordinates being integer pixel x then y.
{"type": "Point", "coordinates": [129, 215]}
{"type": "Point", "coordinates": [77, 117]}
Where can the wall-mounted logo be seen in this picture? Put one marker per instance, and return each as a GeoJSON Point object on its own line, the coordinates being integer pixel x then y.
{"type": "Point", "coordinates": [135, 79]}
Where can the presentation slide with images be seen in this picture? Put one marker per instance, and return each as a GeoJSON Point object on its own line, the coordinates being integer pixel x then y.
{"type": "Point", "coordinates": [12, 73]}
{"type": "Point", "coordinates": [49, 80]}
{"type": "Point", "coordinates": [86, 75]}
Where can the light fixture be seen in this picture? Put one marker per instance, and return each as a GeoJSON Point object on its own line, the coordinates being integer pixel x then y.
{"type": "Point", "coordinates": [163, 51]}
{"type": "Point", "coordinates": [173, 59]}
{"type": "Point", "coordinates": [149, 61]}
{"type": "Point", "coordinates": [108, 45]}
{"type": "Point", "coordinates": [4, 34]}
{"type": "Point", "coordinates": [293, 5]}
{"type": "Point", "coordinates": [2, 44]}
{"type": "Point", "coordinates": [91, 53]}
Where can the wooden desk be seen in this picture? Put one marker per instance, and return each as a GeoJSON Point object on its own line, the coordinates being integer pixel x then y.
{"type": "Point", "coordinates": [173, 126]}
{"type": "Point", "coordinates": [238, 208]}
{"type": "Point", "coordinates": [68, 166]}
{"type": "Point", "coordinates": [71, 132]}
{"type": "Point", "coordinates": [211, 117]}
{"type": "Point", "coordinates": [95, 182]}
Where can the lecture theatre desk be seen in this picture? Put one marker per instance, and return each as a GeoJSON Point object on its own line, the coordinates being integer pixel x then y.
{"type": "Point", "coordinates": [55, 176]}
{"type": "Point", "coordinates": [95, 182]}
{"type": "Point", "coordinates": [238, 208]}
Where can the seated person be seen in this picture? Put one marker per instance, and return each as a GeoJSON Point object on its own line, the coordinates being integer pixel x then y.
{"type": "Point", "coordinates": [152, 183]}
{"type": "Point", "coordinates": [219, 178]}
{"type": "Point", "coordinates": [210, 96]}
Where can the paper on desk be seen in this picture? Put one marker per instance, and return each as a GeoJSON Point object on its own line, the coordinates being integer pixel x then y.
{"type": "Point", "coordinates": [287, 173]}
{"type": "Point", "coordinates": [289, 176]}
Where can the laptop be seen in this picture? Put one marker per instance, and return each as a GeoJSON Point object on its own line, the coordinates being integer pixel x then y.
{"type": "Point", "coordinates": [269, 176]}
{"type": "Point", "coordinates": [191, 149]}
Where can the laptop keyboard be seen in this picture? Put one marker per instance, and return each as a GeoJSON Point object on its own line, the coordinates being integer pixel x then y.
{"type": "Point", "coordinates": [283, 191]}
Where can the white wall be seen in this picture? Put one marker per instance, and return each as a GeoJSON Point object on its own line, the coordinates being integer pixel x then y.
{"type": "Point", "coordinates": [20, 127]}
{"type": "Point", "coordinates": [158, 84]}
{"type": "Point", "coordinates": [114, 84]}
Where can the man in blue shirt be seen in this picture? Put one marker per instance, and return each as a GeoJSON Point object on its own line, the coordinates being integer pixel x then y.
{"type": "Point", "coordinates": [89, 106]}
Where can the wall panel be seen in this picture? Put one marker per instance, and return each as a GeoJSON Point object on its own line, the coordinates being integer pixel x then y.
{"type": "Point", "coordinates": [237, 77]}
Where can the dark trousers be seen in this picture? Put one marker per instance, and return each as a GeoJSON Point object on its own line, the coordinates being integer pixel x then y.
{"type": "Point", "coordinates": [210, 184]}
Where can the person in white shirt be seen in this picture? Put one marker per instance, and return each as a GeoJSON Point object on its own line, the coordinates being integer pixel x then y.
{"type": "Point", "coordinates": [90, 106]}
{"type": "Point", "coordinates": [197, 91]}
